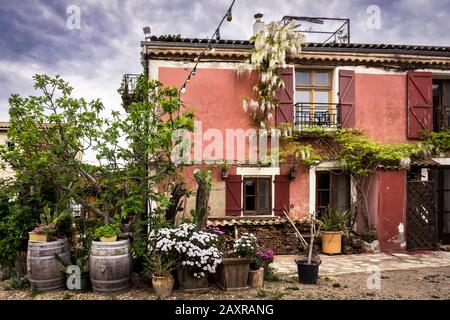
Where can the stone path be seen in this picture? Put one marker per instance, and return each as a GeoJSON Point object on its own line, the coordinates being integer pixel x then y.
{"type": "Point", "coordinates": [344, 264]}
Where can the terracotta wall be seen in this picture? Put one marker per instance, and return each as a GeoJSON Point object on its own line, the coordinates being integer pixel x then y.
{"type": "Point", "coordinates": [216, 98]}
{"type": "Point", "coordinates": [381, 106]}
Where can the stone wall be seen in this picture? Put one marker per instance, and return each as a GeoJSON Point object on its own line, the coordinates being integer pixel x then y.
{"type": "Point", "coordinates": [281, 238]}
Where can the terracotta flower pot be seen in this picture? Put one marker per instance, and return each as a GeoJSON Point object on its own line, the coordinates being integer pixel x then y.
{"type": "Point", "coordinates": [163, 286]}
{"type": "Point", "coordinates": [256, 278]}
{"type": "Point", "coordinates": [331, 242]}
{"type": "Point", "coordinates": [37, 237]}
{"type": "Point", "coordinates": [108, 239]}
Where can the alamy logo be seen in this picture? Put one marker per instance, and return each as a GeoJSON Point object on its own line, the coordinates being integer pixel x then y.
{"type": "Point", "coordinates": [73, 21]}
{"type": "Point", "coordinates": [374, 20]}
{"type": "Point", "coordinates": [74, 278]}
{"type": "Point", "coordinates": [374, 280]}
{"type": "Point", "coordinates": [239, 146]}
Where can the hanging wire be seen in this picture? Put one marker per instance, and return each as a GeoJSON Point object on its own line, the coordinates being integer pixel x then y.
{"type": "Point", "coordinates": [228, 16]}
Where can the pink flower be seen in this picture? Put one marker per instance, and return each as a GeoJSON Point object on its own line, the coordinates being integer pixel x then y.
{"type": "Point", "coordinates": [216, 230]}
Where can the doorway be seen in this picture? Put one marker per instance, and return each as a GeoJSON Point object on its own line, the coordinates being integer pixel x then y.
{"type": "Point", "coordinates": [442, 176]}
{"type": "Point", "coordinates": [441, 104]}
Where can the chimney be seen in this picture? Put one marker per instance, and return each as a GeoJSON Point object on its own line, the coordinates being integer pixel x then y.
{"type": "Point", "coordinates": [147, 33]}
{"type": "Point", "coordinates": [258, 26]}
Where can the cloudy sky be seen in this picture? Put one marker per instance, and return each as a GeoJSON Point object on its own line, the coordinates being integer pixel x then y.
{"type": "Point", "coordinates": [34, 36]}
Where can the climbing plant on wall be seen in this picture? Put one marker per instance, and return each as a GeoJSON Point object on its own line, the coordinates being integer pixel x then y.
{"type": "Point", "coordinates": [359, 155]}
{"type": "Point", "coordinates": [272, 46]}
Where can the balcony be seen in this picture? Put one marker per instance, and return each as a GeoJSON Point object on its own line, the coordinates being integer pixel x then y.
{"type": "Point", "coordinates": [316, 115]}
{"type": "Point", "coordinates": [128, 84]}
{"type": "Point", "coordinates": [441, 118]}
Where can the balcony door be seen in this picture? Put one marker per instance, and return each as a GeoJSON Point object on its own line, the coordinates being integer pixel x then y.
{"type": "Point", "coordinates": [441, 104]}
{"type": "Point", "coordinates": [313, 98]}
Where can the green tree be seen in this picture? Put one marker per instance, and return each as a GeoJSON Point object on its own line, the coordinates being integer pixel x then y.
{"type": "Point", "coordinates": [51, 131]}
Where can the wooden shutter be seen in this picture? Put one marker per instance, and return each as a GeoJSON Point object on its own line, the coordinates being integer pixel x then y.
{"type": "Point", "coordinates": [233, 196]}
{"type": "Point", "coordinates": [420, 103]}
{"type": "Point", "coordinates": [281, 202]}
{"type": "Point", "coordinates": [347, 115]}
{"type": "Point", "coordinates": [285, 96]}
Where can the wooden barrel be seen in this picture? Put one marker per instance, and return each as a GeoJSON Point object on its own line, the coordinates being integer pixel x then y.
{"type": "Point", "coordinates": [110, 267]}
{"type": "Point", "coordinates": [43, 268]}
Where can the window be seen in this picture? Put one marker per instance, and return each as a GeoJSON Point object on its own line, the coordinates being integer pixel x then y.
{"type": "Point", "coordinates": [257, 196]}
{"type": "Point", "coordinates": [441, 104]}
{"type": "Point", "coordinates": [314, 97]}
{"type": "Point", "coordinates": [333, 188]}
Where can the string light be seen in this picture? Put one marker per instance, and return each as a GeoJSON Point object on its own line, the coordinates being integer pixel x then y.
{"type": "Point", "coordinates": [229, 17]}
{"type": "Point", "coordinates": [211, 48]}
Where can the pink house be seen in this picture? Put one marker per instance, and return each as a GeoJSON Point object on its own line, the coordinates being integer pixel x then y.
{"type": "Point", "coordinates": [389, 92]}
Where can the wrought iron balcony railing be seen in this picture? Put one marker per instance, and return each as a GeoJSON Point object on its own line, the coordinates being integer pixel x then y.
{"type": "Point", "coordinates": [317, 114]}
{"type": "Point", "coordinates": [128, 85]}
{"type": "Point", "coordinates": [441, 118]}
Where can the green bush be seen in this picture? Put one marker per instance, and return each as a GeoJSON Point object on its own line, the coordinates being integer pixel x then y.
{"type": "Point", "coordinates": [107, 230]}
{"type": "Point", "coordinates": [20, 212]}
{"type": "Point", "coordinates": [16, 283]}
{"type": "Point", "coordinates": [334, 219]}
{"type": "Point", "coordinates": [271, 275]}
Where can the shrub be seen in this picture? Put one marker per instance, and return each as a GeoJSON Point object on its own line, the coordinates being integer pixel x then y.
{"type": "Point", "coordinates": [107, 230]}
{"type": "Point", "coordinates": [184, 246]}
{"type": "Point", "coordinates": [17, 283]}
{"type": "Point", "coordinates": [272, 276]}
{"type": "Point", "coordinates": [246, 246]}
{"type": "Point", "coordinates": [334, 219]}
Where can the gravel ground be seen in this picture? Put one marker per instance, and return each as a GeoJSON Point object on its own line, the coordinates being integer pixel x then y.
{"type": "Point", "coordinates": [420, 284]}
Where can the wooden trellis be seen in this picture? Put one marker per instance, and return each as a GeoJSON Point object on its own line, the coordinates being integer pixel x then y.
{"type": "Point", "coordinates": [421, 220]}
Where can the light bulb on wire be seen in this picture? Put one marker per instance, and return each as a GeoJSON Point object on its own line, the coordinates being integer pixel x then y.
{"type": "Point", "coordinates": [183, 88]}
{"type": "Point", "coordinates": [229, 15]}
{"type": "Point", "coordinates": [211, 48]}
{"type": "Point", "coordinates": [217, 34]}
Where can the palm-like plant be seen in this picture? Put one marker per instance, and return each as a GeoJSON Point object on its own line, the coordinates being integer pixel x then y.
{"type": "Point", "coordinates": [334, 219]}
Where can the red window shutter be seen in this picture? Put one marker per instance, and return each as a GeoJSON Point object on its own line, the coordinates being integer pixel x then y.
{"type": "Point", "coordinates": [285, 95]}
{"type": "Point", "coordinates": [347, 116]}
{"type": "Point", "coordinates": [281, 202]}
{"type": "Point", "coordinates": [233, 196]}
{"type": "Point", "coordinates": [420, 103]}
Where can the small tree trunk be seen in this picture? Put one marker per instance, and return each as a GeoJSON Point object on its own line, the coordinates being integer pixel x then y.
{"type": "Point", "coordinates": [175, 197]}
{"type": "Point", "coordinates": [202, 198]}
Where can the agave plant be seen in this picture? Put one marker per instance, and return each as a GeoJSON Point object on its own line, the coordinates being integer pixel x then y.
{"type": "Point", "coordinates": [334, 219]}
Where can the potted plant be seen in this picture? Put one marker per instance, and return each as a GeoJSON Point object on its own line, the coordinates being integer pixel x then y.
{"type": "Point", "coordinates": [225, 170]}
{"type": "Point", "coordinates": [259, 267]}
{"type": "Point", "coordinates": [163, 259]}
{"type": "Point", "coordinates": [77, 279]}
{"type": "Point", "coordinates": [107, 233]}
{"type": "Point", "coordinates": [331, 226]}
{"type": "Point", "coordinates": [307, 267]}
{"type": "Point", "coordinates": [42, 257]}
{"type": "Point", "coordinates": [200, 254]}
{"type": "Point", "coordinates": [42, 233]}
{"type": "Point", "coordinates": [47, 229]}
{"type": "Point", "coordinates": [161, 267]}
{"type": "Point", "coordinates": [234, 270]}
